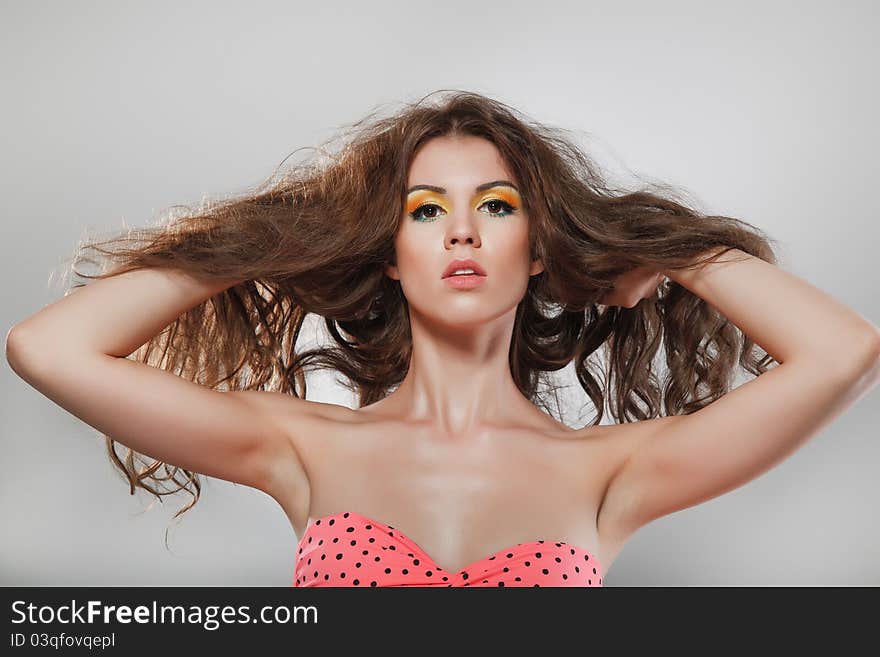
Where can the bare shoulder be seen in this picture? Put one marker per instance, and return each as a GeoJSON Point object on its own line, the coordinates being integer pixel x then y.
{"type": "Point", "coordinates": [616, 443]}
{"type": "Point", "coordinates": [296, 426]}
{"type": "Point", "coordinates": [619, 441]}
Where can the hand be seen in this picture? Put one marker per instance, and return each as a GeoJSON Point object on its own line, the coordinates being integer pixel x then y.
{"type": "Point", "coordinates": [633, 286]}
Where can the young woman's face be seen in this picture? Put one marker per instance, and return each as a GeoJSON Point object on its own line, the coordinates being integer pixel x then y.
{"type": "Point", "coordinates": [469, 208]}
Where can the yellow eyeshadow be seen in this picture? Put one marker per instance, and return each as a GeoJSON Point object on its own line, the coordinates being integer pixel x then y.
{"type": "Point", "coordinates": [503, 194]}
{"type": "Point", "coordinates": [420, 197]}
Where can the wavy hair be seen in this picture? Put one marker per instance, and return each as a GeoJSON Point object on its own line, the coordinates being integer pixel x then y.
{"type": "Point", "coordinates": [315, 239]}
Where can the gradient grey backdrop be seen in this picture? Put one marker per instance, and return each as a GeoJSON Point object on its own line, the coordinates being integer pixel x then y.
{"type": "Point", "coordinates": [114, 111]}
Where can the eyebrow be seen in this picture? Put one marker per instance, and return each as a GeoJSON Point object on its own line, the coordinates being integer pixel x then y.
{"type": "Point", "coordinates": [478, 188]}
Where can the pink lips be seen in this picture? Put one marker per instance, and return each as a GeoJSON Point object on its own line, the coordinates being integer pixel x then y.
{"type": "Point", "coordinates": [463, 263]}
{"type": "Point", "coordinates": [464, 281]}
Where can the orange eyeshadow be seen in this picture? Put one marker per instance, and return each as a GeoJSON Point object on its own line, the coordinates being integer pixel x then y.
{"type": "Point", "coordinates": [420, 197]}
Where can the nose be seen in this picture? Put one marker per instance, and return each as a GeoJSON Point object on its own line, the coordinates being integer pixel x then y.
{"type": "Point", "coordinates": [463, 230]}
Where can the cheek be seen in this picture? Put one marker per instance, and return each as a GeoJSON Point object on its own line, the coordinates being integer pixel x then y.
{"type": "Point", "coordinates": [410, 251]}
{"type": "Point", "coordinates": [513, 250]}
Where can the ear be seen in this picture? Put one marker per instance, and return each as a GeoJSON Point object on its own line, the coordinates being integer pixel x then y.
{"type": "Point", "coordinates": [391, 272]}
{"type": "Point", "coordinates": [536, 267]}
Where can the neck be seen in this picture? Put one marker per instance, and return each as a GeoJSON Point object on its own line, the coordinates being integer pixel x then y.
{"type": "Point", "coordinates": [459, 378]}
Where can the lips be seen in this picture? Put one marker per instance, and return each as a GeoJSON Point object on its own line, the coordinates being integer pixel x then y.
{"type": "Point", "coordinates": [466, 263]}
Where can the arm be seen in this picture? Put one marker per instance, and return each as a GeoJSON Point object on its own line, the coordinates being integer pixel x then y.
{"type": "Point", "coordinates": [829, 358]}
{"type": "Point", "coordinates": [73, 351]}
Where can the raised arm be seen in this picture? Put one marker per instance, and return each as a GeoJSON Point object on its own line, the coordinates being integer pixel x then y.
{"type": "Point", "coordinates": [829, 357]}
{"type": "Point", "coordinates": [74, 352]}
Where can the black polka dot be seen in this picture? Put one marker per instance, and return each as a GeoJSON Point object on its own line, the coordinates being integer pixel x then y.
{"type": "Point", "coordinates": [518, 555]}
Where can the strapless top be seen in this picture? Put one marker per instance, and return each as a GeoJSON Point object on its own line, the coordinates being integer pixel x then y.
{"type": "Point", "coordinates": [351, 549]}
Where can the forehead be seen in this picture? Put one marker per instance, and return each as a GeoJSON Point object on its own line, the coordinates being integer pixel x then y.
{"type": "Point", "coordinates": [449, 158]}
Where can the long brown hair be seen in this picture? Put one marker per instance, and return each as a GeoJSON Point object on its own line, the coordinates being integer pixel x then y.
{"type": "Point", "coordinates": [316, 238]}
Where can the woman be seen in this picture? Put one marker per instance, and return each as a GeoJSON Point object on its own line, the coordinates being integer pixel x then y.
{"type": "Point", "coordinates": [457, 253]}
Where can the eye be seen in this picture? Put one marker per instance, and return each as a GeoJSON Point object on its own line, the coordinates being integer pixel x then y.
{"type": "Point", "coordinates": [506, 208]}
{"type": "Point", "coordinates": [415, 213]}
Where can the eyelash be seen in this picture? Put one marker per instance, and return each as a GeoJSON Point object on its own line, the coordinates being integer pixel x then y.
{"type": "Point", "coordinates": [506, 208]}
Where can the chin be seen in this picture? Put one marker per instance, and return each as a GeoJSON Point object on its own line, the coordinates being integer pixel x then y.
{"type": "Point", "coordinates": [466, 315]}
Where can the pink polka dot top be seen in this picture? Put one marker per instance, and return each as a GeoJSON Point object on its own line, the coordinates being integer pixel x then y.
{"type": "Point", "coordinates": [350, 549]}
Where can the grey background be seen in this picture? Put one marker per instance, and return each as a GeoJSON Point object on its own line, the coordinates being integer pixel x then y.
{"type": "Point", "coordinates": [114, 111]}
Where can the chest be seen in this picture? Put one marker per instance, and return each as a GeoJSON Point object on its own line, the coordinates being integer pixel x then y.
{"type": "Point", "coordinates": [460, 503]}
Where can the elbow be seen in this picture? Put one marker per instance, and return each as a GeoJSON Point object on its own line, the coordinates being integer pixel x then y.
{"type": "Point", "coordinates": [872, 346]}
{"type": "Point", "coordinates": [20, 350]}
{"type": "Point", "coordinates": [14, 348]}
{"type": "Point", "coordinates": [863, 354]}
{"type": "Point", "coordinates": [855, 355]}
